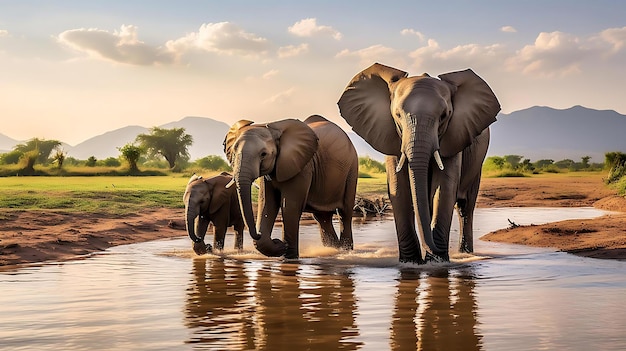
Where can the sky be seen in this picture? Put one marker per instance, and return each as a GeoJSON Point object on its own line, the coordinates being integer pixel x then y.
{"type": "Point", "coordinates": [71, 70]}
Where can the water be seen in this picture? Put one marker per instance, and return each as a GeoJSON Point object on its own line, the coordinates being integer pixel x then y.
{"type": "Point", "coordinates": [159, 296]}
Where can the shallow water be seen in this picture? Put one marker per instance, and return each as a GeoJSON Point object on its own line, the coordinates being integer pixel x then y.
{"type": "Point", "coordinates": [159, 296]}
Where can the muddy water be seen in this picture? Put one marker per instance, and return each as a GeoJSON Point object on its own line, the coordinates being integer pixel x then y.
{"type": "Point", "coordinates": [158, 296]}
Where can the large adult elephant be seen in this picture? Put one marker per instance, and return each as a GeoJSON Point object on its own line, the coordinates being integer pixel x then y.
{"type": "Point", "coordinates": [208, 200]}
{"type": "Point", "coordinates": [435, 135]}
{"type": "Point", "coordinates": [307, 166]}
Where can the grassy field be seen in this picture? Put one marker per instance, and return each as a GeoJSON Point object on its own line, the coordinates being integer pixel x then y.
{"type": "Point", "coordinates": [113, 195]}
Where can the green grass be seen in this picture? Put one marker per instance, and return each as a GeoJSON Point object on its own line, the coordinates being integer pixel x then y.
{"type": "Point", "coordinates": [374, 184]}
{"type": "Point", "coordinates": [112, 195]}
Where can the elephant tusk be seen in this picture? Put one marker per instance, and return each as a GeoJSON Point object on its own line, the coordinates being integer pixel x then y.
{"type": "Point", "coordinates": [232, 181]}
{"type": "Point", "coordinates": [438, 159]}
{"type": "Point", "coordinates": [401, 162]}
{"type": "Point", "coordinates": [256, 185]}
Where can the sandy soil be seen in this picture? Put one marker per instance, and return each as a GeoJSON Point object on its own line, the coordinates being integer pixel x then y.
{"type": "Point", "coordinates": [35, 236]}
{"type": "Point", "coordinates": [603, 237]}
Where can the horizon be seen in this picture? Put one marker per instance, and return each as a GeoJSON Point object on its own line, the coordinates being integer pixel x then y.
{"type": "Point", "coordinates": [347, 129]}
{"type": "Point", "coordinates": [83, 68]}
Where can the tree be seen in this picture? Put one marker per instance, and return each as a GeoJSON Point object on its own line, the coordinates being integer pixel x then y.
{"type": "Point", "coordinates": [513, 160]}
{"type": "Point", "coordinates": [213, 163]}
{"type": "Point", "coordinates": [59, 158]}
{"type": "Point", "coordinates": [91, 161]}
{"type": "Point", "coordinates": [11, 157]}
{"type": "Point", "coordinates": [131, 154]}
{"type": "Point", "coordinates": [172, 144]}
{"type": "Point", "coordinates": [585, 161]}
{"type": "Point", "coordinates": [44, 148]}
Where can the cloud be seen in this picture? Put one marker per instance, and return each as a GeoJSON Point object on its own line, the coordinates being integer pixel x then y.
{"type": "Point", "coordinates": [369, 55]}
{"type": "Point", "coordinates": [222, 38]}
{"type": "Point", "coordinates": [616, 37]}
{"type": "Point", "coordinates": [121, 46]}
{"type": "Point", "coordinates": [552, 54]}
{"type": "Point", "coordinates": [281, 97]}
{"type": "Point", "coordinates": [508, 29]}
{"type": "Point", "coordinates": [292, 51]}
{"type": "Point", "coordinates": [269, 74]}
{"type": "Point", "coordinates": [308, 27]}
{"type": "Point", "coordinates": [413, 32]}
{"type": "Point", "coordinates": [4, 33]}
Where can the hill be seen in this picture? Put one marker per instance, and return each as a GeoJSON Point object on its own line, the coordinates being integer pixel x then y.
{"type": "Point", "coordinates": [547, 133]}
{"type": "Point", "coordinates": [207, 134]}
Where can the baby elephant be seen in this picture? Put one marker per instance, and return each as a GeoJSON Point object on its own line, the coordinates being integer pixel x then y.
{"type": "Point", "coordinates": [209, 200]}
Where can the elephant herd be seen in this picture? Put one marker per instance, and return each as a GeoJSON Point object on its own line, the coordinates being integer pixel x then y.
{"type": "Point", "coordinates": [433, 131]}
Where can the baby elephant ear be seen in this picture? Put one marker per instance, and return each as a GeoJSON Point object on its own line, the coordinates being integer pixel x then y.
{"type": "Point", "coordinates": [366, 106]}
{"type": "Point", "coordinates": [296, 146]}
{"type": "Point", "coordinates": [475, 107]}
{"type": "Point", "coordinates": [231, 136]}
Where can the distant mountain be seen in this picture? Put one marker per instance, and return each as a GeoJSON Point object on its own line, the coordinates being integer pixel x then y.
{"type": "Point", "coordinates": [207, 134]}
{"type": "Point", "coordinates": [534, 133]}
{"type": "Point", "coordinates": [105, 145]}
{"type": "Point", "coordinates": [547, 133]}
{"type": "Point", "coordinates": [6, 143]}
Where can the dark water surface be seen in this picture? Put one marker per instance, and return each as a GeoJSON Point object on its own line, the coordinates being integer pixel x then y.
{"type": "Point", "coordinates": [159, 296]}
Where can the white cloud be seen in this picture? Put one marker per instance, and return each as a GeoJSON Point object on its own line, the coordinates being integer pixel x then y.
{"type": "Point", "coordinates": [4, 33]}
{"type": "Point", "coordinates": [308, 27]}
{"type": "Point", "coordinates": [374, 53]}
{"type": "Point", "coordinates": [552, 54]}
{"type": "Point", "coordinates": [121, 46]}
{"type": "Point", "coordinates": [616, 37]}
{"type": "Point", "coordinates": [292, 51]}
{"type": "Point", "coordinates": [508, 29]}
{"type": "Point", "coordinates": [222, 38]}
{"type": "Point", "coordinates": [269, 74]}
{"type": "Point", "coordinates": [280, 98]}
{"type": "Point", "coordinates": [413, 32]}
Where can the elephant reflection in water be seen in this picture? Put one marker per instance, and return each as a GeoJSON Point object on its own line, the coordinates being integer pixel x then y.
{"type": "Point", "coordinates": [280, 306]}
{"type": "Point", "coordinates": [435, 311]}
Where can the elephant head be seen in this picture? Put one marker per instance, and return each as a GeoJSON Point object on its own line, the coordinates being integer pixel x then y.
{"type": "Point", "coordinates": [202, 197]}
{"type": "Point", "coordinates": [278, 151]}
{"type": "Point", "coordinates": [419, 119]}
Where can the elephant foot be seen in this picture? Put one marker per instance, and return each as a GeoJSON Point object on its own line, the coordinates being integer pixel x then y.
{"type": "Point", "coordinates": [412, 259]}
{"type": "Point", "coordinates": [200, 248]}
{"type": "Point", "coordinates": [443, 257]}
{"type": "Point", "coordinates": [346, 245]}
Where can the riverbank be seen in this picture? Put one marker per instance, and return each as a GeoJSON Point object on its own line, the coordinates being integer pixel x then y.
{"type": "Point", "coordinates": [38, 236]}
{"type": "Point", "coordinates": [602, 237]}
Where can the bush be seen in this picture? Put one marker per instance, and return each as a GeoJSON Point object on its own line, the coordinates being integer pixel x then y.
{"type": "Point", "coordinates": [370, 165]}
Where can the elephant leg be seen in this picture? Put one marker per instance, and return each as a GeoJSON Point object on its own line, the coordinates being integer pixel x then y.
{"type": "Point", "coordinates": [446, 184]}
{"type": "Point", "coordinates": [471, 170]}
{"type": "Point", "coordinates": [293, 198]}
{"type": "Point", "coordinates": [327, 231]}
{"type": "Point", "coordinates": [239, 237]}
{"type": "Point", "coordinates": [268, 206]}
{"type": "Point", "coordinates": [345, 228]}
{"type": "Point", "coordinates": [399, 191]}
{"type": "Point", "coordinates": [219, 235]}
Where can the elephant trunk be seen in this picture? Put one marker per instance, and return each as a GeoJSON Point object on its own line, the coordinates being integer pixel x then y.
{"type": "Point", "coordinates": [190, 220]}
{"type": "Point", "coordinates": [420, 149]}
{"type": "Point", "coordinates": [244, 177]}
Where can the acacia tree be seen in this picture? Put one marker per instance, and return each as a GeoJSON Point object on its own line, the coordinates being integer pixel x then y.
{"type": "Point", "coordinates": [131, 154]}
{"type": "Point", "coordinates": [43, 147]}
{"type": "Point", "coordinates": [172, 144]}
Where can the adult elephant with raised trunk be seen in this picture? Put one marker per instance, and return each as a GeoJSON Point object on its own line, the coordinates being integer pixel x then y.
{"type": "Point", "coordinates": [435, 133]}
{"type": "Point", "coordinates": [308, 166]}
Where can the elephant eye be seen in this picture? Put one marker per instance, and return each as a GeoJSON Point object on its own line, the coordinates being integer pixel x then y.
{"type": "Point", "coordinates": [263, 154]}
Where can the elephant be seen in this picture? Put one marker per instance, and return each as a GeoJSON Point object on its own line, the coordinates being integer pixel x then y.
{"type": "Point", "coordinates": [435, 134]}
{"type": "Point", "coordinates": [209, 200]}
{"type": "Point", "coordinates": [308, 166]}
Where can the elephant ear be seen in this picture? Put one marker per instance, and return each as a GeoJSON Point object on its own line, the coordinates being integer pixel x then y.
{"type": "Point", "coordinates": [366, 105]}
{"type": "Point", "coordinates": [297, 144]}
{"type": "Point", "coordinates": [219, 193]}
{"type": "Point", "coordinates": [231, 136]}
{"type": "Point", "coordinates": [475, 107]}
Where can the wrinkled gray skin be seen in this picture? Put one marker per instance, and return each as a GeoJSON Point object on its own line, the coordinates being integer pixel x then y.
{"type": "Point", "coordinates": [435, 135]}
{"type": "Point", "coordinates": [308, 166]}
{"type": "Point", "coordinates": [208, 200]}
